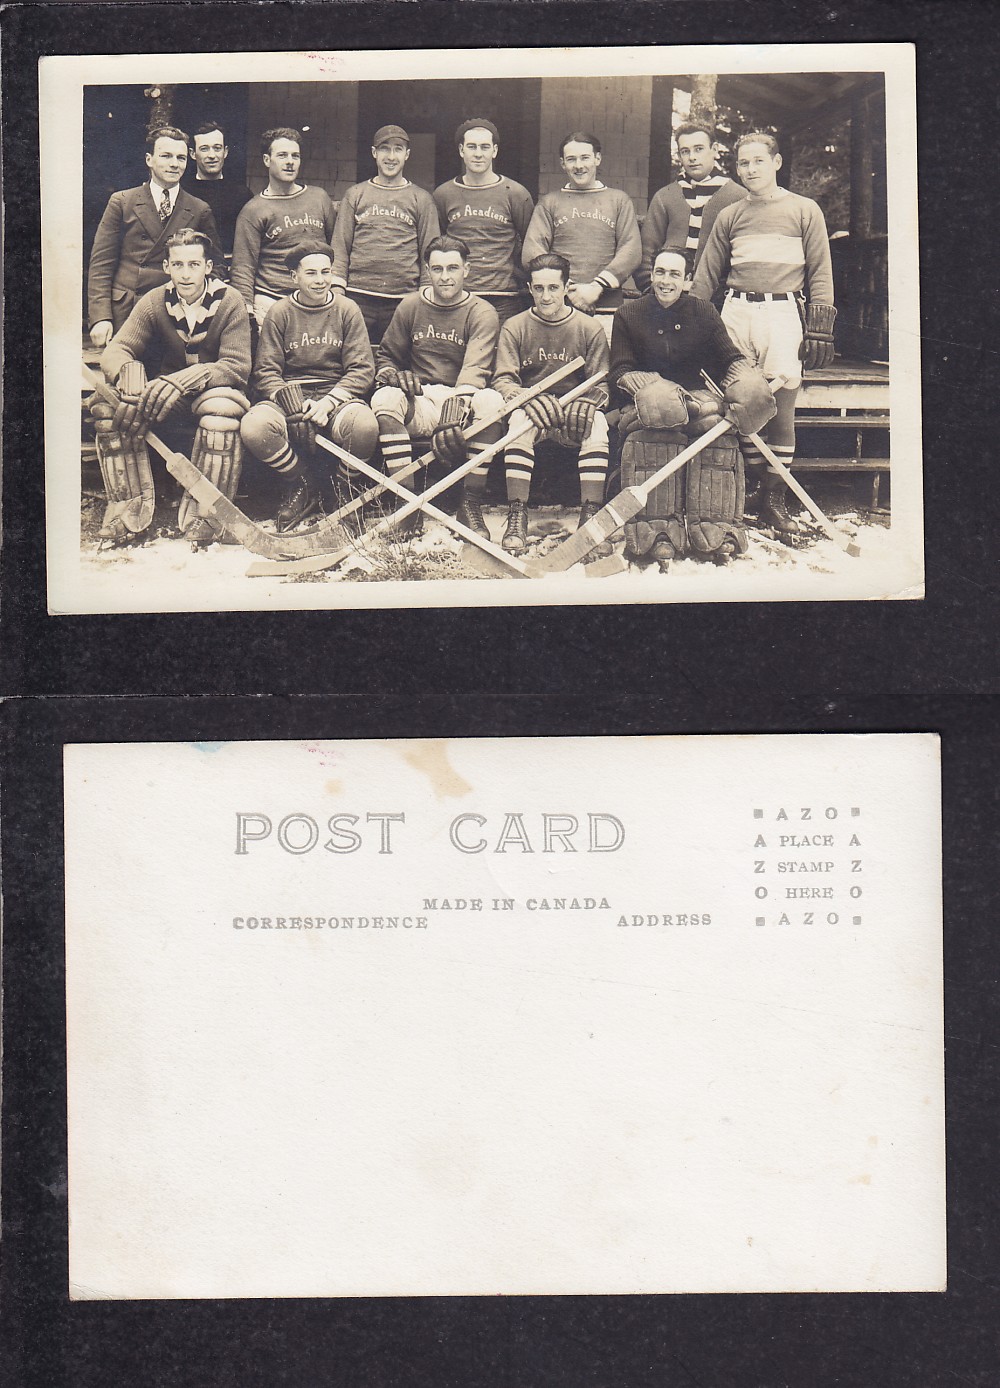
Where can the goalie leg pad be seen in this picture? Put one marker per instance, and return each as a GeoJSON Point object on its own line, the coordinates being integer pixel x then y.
{"type": "Point", "coordinates": [714, 497]}
{"type": "Point", "coordinates": [128, 478]}
{"type": "Point", "coordinates": [218, 453]}
{"type": "Point", "coordinates": [645, 452]}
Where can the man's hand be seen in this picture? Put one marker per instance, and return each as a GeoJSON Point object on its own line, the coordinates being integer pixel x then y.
{"type": "Point", "coordinates": [318, 412]}
{"type": "Point", "coordinates": [409, 383]}
{"type": "Point", "coordinates": [387, 377]}
{"type": "Point", "coordinates": [101, 334]}
{"type": "Point", "coordinates": [585, 296]}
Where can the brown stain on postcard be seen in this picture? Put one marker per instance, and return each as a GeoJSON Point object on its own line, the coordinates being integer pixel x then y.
{"type": "Point", "coordinates": [432, 759]}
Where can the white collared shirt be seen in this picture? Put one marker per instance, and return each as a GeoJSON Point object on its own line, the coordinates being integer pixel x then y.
{"type": "Point", "coordinates": [191, 309]}
{"type": "Point", "coordinates": [157, 190]}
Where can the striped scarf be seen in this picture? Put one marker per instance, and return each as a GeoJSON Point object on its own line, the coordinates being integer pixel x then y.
{"type": "Point", "coordinates": [207, 308]}
{"type": "Point", "coordinates": [697, 195]}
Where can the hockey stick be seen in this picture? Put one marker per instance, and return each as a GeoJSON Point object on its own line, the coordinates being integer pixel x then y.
{"type": "Point", "coordinates": [316, 563]}
{"type": "Point", "coordinates": [390, 484]}
{"type": "Point", "coordinates": [251, 535]}
{"type": "Point", "coordinates": [848, 545]}
{"type": "Point", "coordinates": [613, 515]}
{"type": "Point", "coordinates": [474, 430]}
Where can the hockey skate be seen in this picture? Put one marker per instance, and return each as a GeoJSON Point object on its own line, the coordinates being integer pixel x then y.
{"type": "Point", "coordinates": [515, 537]}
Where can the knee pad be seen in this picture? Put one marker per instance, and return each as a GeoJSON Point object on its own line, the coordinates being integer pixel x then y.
{"type": "Point", "coordinates": [355, 428]}
{"type": "Point", "coordinates": [645, 452]}
{"type": "Point", "coordinates": [127, 476]}
{"type": "Point", "coordinates": [264, 431]}
{"type": "Point", "coordinates": [714, 497]}
{"type": "Point", "coordinates": [391, 401]}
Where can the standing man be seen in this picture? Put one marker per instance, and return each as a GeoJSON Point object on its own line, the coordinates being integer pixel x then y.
{"type": "Point", "coordinates": [431, 372]}
{"type": "Point", "coordinates": [129, 253]}
{"type": "Point", "coordinates": [271, 224]}
{"type": "Point", "coordinates": [186, 343]}
{"type": "Point", "coordinates": [383, 230]}
{"type": "Point", "coordinates": [225, 196]}
{"type": "Point", "coordinates": [490, 214]}
{"type": "Point", "coordinates": [772, 253]}
{"type": "Point", "coordinates": [531, 347]}
{"type": "Point", "coordinates": [659, 346]}
{"type": "Point", "coordinates": [592, 226]}
{"type": "Point", "coordinates": [313, 369]}
{"type": "Point", "coordinates": [684, 212]}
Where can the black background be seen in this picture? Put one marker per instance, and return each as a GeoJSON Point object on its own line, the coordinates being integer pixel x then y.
{"type": "Point", "coordinates": [698, 668]}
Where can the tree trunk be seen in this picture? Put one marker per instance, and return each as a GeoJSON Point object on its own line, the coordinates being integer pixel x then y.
{"type": "Point", "coordinates": [161, 105]}
{"type": "Point", "coordinates": [703, 97]}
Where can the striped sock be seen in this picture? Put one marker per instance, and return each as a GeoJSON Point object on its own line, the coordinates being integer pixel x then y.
{"type": "Point", "coordinates": [520, 462]}
{"type": "Point", "coordinates": [396, 451]}
{"type": "Point", "coordinates": [285, 461]}
{"type": "Point", "coordinates": [592, 466]}
{"type": "Point", "coordinates": [784, 453]}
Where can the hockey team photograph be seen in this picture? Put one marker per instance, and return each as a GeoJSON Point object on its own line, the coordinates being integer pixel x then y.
{"type": "Point", "coordinates": [602, 331]}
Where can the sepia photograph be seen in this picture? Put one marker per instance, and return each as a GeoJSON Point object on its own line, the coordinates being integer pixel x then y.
{"type": "Point", "coordinates": [578, 326]}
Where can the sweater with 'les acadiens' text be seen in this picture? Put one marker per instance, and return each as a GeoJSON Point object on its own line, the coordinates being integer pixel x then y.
{"type": "Point", "coordinates": [532, 348]}
{"type": "Point", "coordinates": [325, 346]}
{"type": "Point", "coordinates": [267, 229]}
{"type": "Point", "coordinates": [596, 230]}
{"type": "Point", "coordinates": [378, 246]}
{"type": "Point", "coordinates": [493, 221]}
{"type": "Point", "coordinates": [444, 344]}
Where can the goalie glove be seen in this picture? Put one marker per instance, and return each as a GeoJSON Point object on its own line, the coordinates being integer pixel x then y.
{"type": "Point", "coordinates": [633, 381]}
{"type": "Point", "coordinates": [448, 442]}
{"type": "Point", "coordinates": [291, 402]}
{"type": "Point", "coordinates": [545, 412]}
{"type": "Point", "coordinates": [578, 419]}
{"type": "Point", "coordinates": [662, 405]}
{"type": "Point", "coordinates": [817, 344]}
{"type": "Point", "coordinates": [749, 403]}
{"type": "Point", "coordinates": [130, 384]}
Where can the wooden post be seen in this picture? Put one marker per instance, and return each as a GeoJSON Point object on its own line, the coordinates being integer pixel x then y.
{"type": "Point", "coordinates": [661, 125]}
{"type": "Point", "coordinates": [862, 190]}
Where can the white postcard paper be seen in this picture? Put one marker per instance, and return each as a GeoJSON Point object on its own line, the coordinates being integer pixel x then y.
{"type": "Point", "coordinates": [505, 1016]}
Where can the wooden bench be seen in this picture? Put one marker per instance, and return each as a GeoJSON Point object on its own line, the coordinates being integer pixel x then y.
{"type": "Point", "coordinates": [851, 397]}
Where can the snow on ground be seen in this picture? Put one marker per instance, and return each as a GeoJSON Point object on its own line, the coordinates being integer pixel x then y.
{"type": "Point", "coordinates": [164, 575]}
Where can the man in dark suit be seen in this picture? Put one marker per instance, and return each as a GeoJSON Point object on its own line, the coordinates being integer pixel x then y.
{"type": "Point", "coordinates": [130, 245]}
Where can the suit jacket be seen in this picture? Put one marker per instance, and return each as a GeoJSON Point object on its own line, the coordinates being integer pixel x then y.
{"type": "Point", "coordinates": [129, 247]}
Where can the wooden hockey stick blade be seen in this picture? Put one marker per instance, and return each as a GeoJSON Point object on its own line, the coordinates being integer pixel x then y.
{"type": "Point", "coordinates": [472, 432]}
{"type": "Point", "coordinates": [615, 513]}
{"type": "Point", "coordinates": [607, 567]}
{"type": "Point", "coordinates": [417, 503]}
{"type": "Point", "coordinates": [482, 561]}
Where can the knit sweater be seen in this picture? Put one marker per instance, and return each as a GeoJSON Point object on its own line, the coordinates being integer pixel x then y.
{"type": "Point", "coordinates": [444, 344]}
{"type": "Point", "coordinates": [326, 347]}
{"type": "Point", "coordinates": [378, 245]}
{"type": "Point", "coordinates": [493, 222]}
{"type": "Point", "coordinates": [267, 229]}
{"type": "Point", "coordinates": [531, 349]}
{"type": "Point", "coordinates": [778, 246]}
{"type": "Point", "coordinates": [150, 335]}
{"type": "Point", "coordinates": [676, 342]}
{"type": "Point", "coordinates": [226, 197]}
{"type": "Point", "coordinates": [595, 229]}
{"type": "Point", "coordinates": [668, 219]}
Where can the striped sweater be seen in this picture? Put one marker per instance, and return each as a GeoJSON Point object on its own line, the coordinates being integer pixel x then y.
{"type": "Point", "coordinates": [150, 335]}
{"type": "Point", "coordinates": [777, 246]}
{"type": "Point", "coordinates": [668, 221]}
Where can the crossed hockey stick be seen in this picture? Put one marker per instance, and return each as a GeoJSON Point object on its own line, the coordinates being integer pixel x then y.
{"type": "Point", "coordinates": [413, 501]}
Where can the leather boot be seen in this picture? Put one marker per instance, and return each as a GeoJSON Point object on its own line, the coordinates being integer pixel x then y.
{"type": "Point", "coordinates": [601, 551]}
{"type": "Point", "coordinates": [470, 513]}
{"type": "Point", "coordinates": [515, 537]}
{"type": "Point", "coordinates": [772, 506]}
{"type": "Point", "coordinates": [300, 500]}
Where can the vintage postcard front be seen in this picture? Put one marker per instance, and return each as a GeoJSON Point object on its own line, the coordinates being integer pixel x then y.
{"type": "Point", "coordinates": [215, 406]}
{"type": "Point", "coordinates": [609, 1015]}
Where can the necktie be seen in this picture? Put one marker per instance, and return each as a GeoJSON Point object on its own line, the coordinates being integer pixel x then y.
{"type": "Point", "coordinates": [164, 206]}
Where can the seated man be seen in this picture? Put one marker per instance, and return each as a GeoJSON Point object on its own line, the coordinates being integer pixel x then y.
{"type": "Point", "coordinates": [314, 366]}
{"type": "Point", "coordinates": [186, 342]}
{"type": "Point", "coordinates": [532, 346]}
{"type": "Point", "coordinates": [431, 372]}
{"type": "Point", "coordinates": [659, 346]}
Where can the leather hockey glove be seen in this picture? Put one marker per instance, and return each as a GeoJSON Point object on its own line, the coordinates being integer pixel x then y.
{"type": "Point", "coordinates": [662, 405]}
{"type": "Point", "coordinates": [545, 412]}
{"type": "Point", "coordinates": [387, 376]}
{"type": "Point", "coordinates": [157, 400]}
{"type": "Point", "coordinates": [448, 442]}
{"type": "Point", "coordinates": [817, 344]}
{"type": "Point", "coordinates": [291, 402]}
{"type": "Point", "coordinates": [632, 381]}
{"type": "Point", "coordinates": [749, 403]}
{"type": "Point", "coordinates": [130, 384]}
{"type": "Point", "coordinates": [578, 418]}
